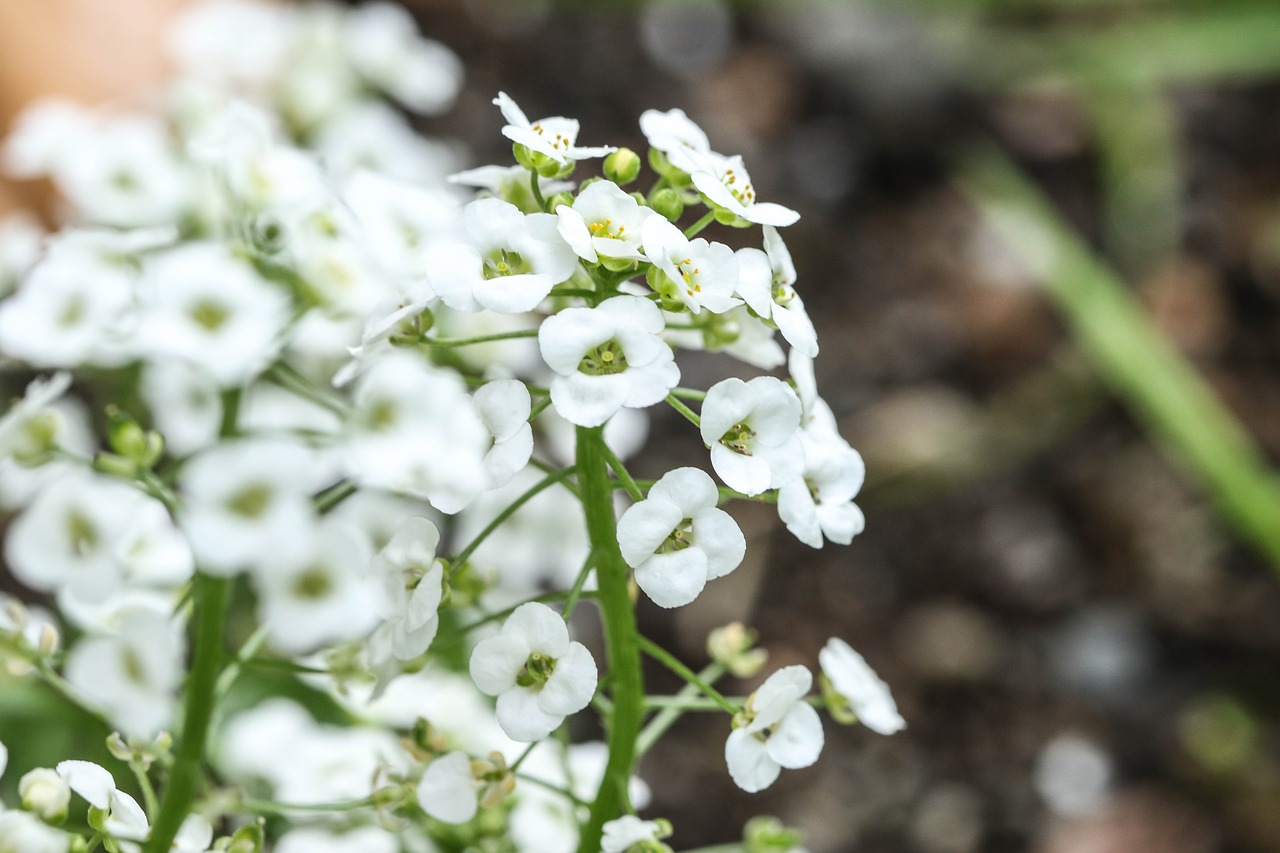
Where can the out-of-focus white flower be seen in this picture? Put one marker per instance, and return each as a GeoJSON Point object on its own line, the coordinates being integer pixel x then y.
{"type": "Point", "coordinates": [676, 135]}
{"type": "Point", "coordinates": [185, 404]}
{"type": "Point", "coordinates": [209, 308]}
{"type": "Point", "coordinates": [382, 42]}
{"type": "Point", "coordinates": [45, 794]}
{"type": "Point", "coordinates": [499, 259]}
{"type": "Point", "coordinates": [368, 839]}
{"type": "Point", "coordinates": [607, 357]}
{"type": "Point", "coordinates": [555, 137]}
{"type": "Point", "coordinates": [776, 729]}
{"type": "Point", "coordinates": [373, 136]}
{"type": "Point", "coordinates": [677, 539]}
{"type": "Point", "coordinates": [867, 695]}
{"type": "Point", "coordinates": [125, 819]}
{"type": "Point", "coordinates": [399, 220]}
{"type": "Point", "coordinates": [319, 593]}
{"type": "Point", "coordinates": [248, 502]}
{"type": "Point", "coordinates": [21, 832]}
{"type": "Point", "coordinates": [537, 673]}
{"type": "Point", "coordinates": [20, 238]}
{"type": "Point", "coordinates": [31, 427]}
{"type": "Point", "coordinates": [133, 674]}
{"type": "Point", "coordinates": [448, 789]}
{"type": "Point", "coordinates": [752, 428]}
{"type": "Point", "coordinates": [234, 42]}
{"type": "Point", "coordinates": [604, 222]}
{"type": "Point", "coordinates": [627, 831]}
{"type": "Point", "coordinates": [698, 273]}
{"type": "Point", "coordinates": [413, 583]}
{"type": "Point", "coordinates": [765, 284]}
{"type": "Point", "coordinates": [43, 135]}
{"type": "Point", "coordinates": [725, 183]}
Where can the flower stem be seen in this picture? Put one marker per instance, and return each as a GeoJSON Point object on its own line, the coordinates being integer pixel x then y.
{"type": "Point", "coordinates": [696, 228]}
{"type": "Point", "coordinates": [449, 343]}
{"type": "Point", "coordinates": [690, 414]}
{"type": "Point", "coordinates": [672, 663]}
{"type": "Point", "coordinates": [497, 522]}
{"type": "Point", "coordinates": [212, 599]}
{"type": "Point", "coordinates": [666, 718]}
{"type": "Point", "coordinates": [621, 636]}
{"type": "Point", "coordinates": [536, 188]}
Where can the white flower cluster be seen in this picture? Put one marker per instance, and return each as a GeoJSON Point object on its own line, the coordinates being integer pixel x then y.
{"type": "Point", "coordinates": [342, 390]}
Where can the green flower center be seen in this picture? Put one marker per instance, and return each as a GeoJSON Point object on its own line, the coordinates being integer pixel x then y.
{"type": "Point", "coordinates": [536, 670]}
{"type": "Point", "coordinates": [82, 533]}
{"type": "Point", "coordinates": [313, 584]}
{"type": "Point", "coordinates": [604, 360]}
{"type": "Point", "coordinates": [738, 438]}
{"type": "Point", "coordinates": [210, 315]}
{"type": "Point", "coordinates": [504, 262]}
{"type": "Point", "coordinates": [680, 538]}
{"type": "Point", "coordinates": [251, 501]}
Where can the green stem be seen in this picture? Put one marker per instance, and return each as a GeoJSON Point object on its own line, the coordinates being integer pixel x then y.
{"type": "Point", "coordinates": [623, 475]}
{"type": "Point", "coordinates": [579, 582]}
{"type": "Point", "coordinates": [696, 228]}
{"type": "Point", "coordinates": [212, 599]}
{"type": "Point", "coordinates": [688, 393]}
{"type": "Point", "coordinates": [148, 790]}
{"type": "Point", "coordinates": [270, 807]}
{"type": "Point", "coordinates": [450, 343]}
{"type": "Point", "coordinates": [690, 415]}
{"type": "Point", "coordinates": [667, 717]}
{"type": "Point", "coordinates": [672, 663]}
{"type": "Point", "coordinates": [620, 633]}
{"type": "Point", "coordinates": [536, 189]}
{"type": "Point", "coordinates": [498, 521]}
{"type": "Point", "coordinates": [329, 499]}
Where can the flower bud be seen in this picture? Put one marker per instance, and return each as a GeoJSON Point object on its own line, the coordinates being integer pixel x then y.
{"type": "Point", "coordinates": [560, 199]}
{"type": "Point", "coordinates": [45, 794]}
{"type": "Point", "coordinates": [668, 203]}
{"type": "Point", "coordinates": [556, 171]}
{"type": "Point", "coordinates": [119, 750]}
{"type": "Point", "coordinates": [732, 646]}
{"type": "Point", "coordinates": [130, 440]}
{"type": "Point", "coordinates": [622, 166]}
{"type": "Point", "coordinates": [48, 640]}
{"type": "Point", "coordinates": [768, 835]}
{"type": "Point", "coordinates": [727, 217]}
{"type": "Point", "coordinates": [248, 839]}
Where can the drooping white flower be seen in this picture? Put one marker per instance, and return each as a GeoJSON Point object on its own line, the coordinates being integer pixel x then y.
{"type": "Point", "coordinates": [698, 273]}
{"type": "Point", "coordinates": [725, 183]}
{"type": "Point", "coordinates": [383, 44]}
{"type": "Point", "coordinates": [247, 502]}
{"type": "Point", "coordinates": [765, 284]}
{"type": "Point", "coordinates": [319, 593]}
{"type": "Point", "coordinates": [448, 789]}
{"type": "Point", "coordinates": [819, 502]}
{"type": "Point", "coordinates": [412, 580]}
{"type": "Point", "coordinates": [537, 673]}
{"type": "Point", "coordinates": [504, 406]}
{"type": "Point", "coordinates": [604, 222]}
{"type": "Point", "coordinates": [209, 308]}
{"type": "Point", "coordinates": [125, 819]}
{"type": "Point", "coordinates": [499, 259]}
{"type": "Point", "coordinates": [868, 696]}
{"type": "Point", "coordinates": [555, 137]}
{"type": "Point", "coordinates": [677, 540]}
{"type": "Point", "coordinates": [622, 834]}
{"type": "Point", "coordinates": [607, 357]}
{"type": "Point", "coordinates": [752, 429]}
{"type": "Point", "coordinates": [676, 135]}
{"type": "Point", "coordinates": [776, 729]}
{"type": "Point", "coordinates": [132, 674]}
{"type": "Point", "coordinates": [406, 410]}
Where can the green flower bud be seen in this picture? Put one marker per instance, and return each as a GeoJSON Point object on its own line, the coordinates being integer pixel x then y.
{"type": "Point", "coordinates": [768, 835]}
{"type": "Point", "coordinates": [130, 440]}
{"type": "Point", "coordinates": [622, 166]}
{"type": "Point", "coordinates": [45, 795]}
{"type": "Point", "coordinates": [727, 217]}
{"type": "Point", "coordinates": [560, 199]}
{"type": "Point", "coordinates": [668, 202]}
{"type": "Point", "coordinates": [552, 170]}
{"type": "Point", "coordinates": [248, 839]}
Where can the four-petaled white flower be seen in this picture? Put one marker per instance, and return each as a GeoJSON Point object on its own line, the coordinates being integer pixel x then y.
{"type": "Point", "coordinates": [765, 283]}
{"type": "Point", "coordinates": [413, 584]}
{"type": "Point", "coordinates": [725, 183]}
{"type": "Point", "coordinates": [677, 540]}
{"type": "Point", "coordinates": [604, 222]}
{"type": "Point", "coordinates": [499, 259]}
{"type": "Point", "coordinates": [676, 135]}
{"type": "Point", "coordinates": [555, 137]}
{"type": "Point", "coordinates": [538, 674]}
{"type": "Point", "coordinates": [751, 428]}
{"type": "Point", "coordinates": [776, 729]}
{"type": "Point", "coordinates": [607, 357]}
{"type": "Point", "coordinates": [857, 683]}
{"type": "Point", "coordinates": [124, 819]}
{"type": "Point", "coordinates": [698, 273]}
{"type": "Point", "coordinates": [504, 406]}
{"type": "Point", "coordinates": [819, 502]}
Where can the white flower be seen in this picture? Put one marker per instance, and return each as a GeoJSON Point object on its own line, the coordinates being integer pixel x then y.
{"type": "Point", "coordinates": [382, 41]}
{"type": "Point", "coordinates": [504, 406]}
{"type": "Point", "coordinates": [234, 41]}
{"type": "Point", "coordinates": [211, 309]}
{"type": "Point", "coordinates": [677, 539]}
{"type": "Point", "coordinates": [500, 259]}
{"type": "Point", "coordinates": [621, 834]}
{"type": "Point", "coordinates": [20, 239]}
{"type": "Point", "coordinates": [44, 793]}
{"type": "Point", "coordinates": [765, 284]}
{"type": "Point", "coordinates": [31, 427]}
{"type": "Point", "coordinates": [820, 501]}
{"type": "Point", "coordinates": [368, 839]}
{"type": "Point", "coordinates": [133, 674]}
{"type": "Point", "coordinates": [867, 695]}
{"type": "Point", "coordinates": [448, 789]}
{"type": "Point", "coordinates": [698, 273]}
{"type": "Point", "coordinates": [674, 134]}
{"type": "Point", "coordinates": [248, 502]}
{"type": "Point", "coordinates": [318, 594]}
{"type": "Point", "coordinates": [556, 137]}
{"type": "Point", "coordinates": [537, 673]}
{"type": "Point", "coordinates": [737, 332]}
{"type": "Point", "coordinates": [413, 582]}
{"type": "Point", "coordinates": [185, 404]}
{"type": "Point", "coordinates": [777, 729]}
{"type": "Point", "coordinates": [604, 222]}
{"type": "Point", "coordinates": [509, 183]}
{"type": "Point", "coordinates": [21, 832]}
{"type": "Point", "coordinates": [374, 136]}
{"type": "Point", "coordinates": [725, 183]}
{"type": "Point", "coordinates": [607, 357]}
{"type": "Point", "coordinates": [399, 220]}
{"type": "Point", "coordinates": [752, 428]}
{"type": "Point", "coordinates": [125, 818]}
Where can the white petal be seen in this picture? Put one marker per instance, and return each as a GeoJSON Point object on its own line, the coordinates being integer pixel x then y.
{"type": "Point", "coordinates": [841, 522]}
{"type": "Point", "coordinates": [645, 526]}
{"type": "Point", "coordinates": [748, 474]}
{"type": "Point", "coordinates": [794, 323]}
{"type": "Point", "coordinates": [497, 661]}
{"type": "Point", "coordinates": [799, 513]}
{"type": "Point", "coordinates": [589, 400]}
{"type": "Point", "coordinates": [522, 718]}
{"type": "Point", "coordinates": [88, 780]}
{"type": "Point", "coordinates": [447, 791]}
{"type": "Point", "coordinates": [503, 405]}
{"type": "Point", "coordinates": [675, 579]}
{"type": "Point", "coordinates": [566, 337]}
{"type": "Point", "coordinates": [797, 740]}
{"type": "Point", "coordinates": [540, 627]}
{"type": "Point", "coordinates": [727, 403]}
{"type": "Point", "coordinates": [750, 766]}
{"type": "Point", "coordinates": [513, 294]}
{"type": "Point", "coordinates": [768, 213]}
{"type": "Point", "coordinates": [755, 281]}
{"type": "Point", "coordinates": [779, 693]}
{"type": "Point", "coordinates": [571, 686]}
{"type": "Point", "coordinates": [573, 228]}
{"type": "Point", "coordinates": [854, 679]}
{"type": "Point", "coordinates": [691, 490]}
{"type": "Point", "coordinates": [717, 535]}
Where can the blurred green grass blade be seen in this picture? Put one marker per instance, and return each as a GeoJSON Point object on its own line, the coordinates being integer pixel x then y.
{"type": "Point", "coordinates": [1129, 353]}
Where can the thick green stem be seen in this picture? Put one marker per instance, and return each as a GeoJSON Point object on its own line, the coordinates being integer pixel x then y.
{"type": "Point", "coordinates": [620, 632]}
{"type": "Point", "coordinates": [212, 598]}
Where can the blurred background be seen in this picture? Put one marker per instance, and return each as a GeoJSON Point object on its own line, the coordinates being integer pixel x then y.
{"type": "Point", "coordinates": [1041, 245]}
